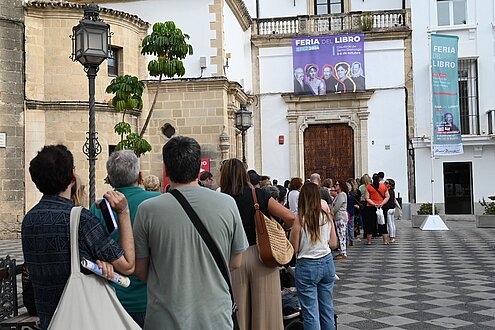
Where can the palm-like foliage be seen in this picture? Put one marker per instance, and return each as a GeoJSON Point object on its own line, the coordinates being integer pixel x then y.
{"type": "Point", "coordinates": [168, 45]}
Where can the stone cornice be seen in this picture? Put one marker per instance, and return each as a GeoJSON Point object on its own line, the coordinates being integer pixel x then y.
{"type": "Point", "coordinates": [286, 40]}
{"type": "Point", "coordinates": [240, 12]}
{"type": "Point", "coordinates": [194, 84]}
{"type": "Point", "coordinates": [328, 98]}
{"type": "Point", "coordinates": [47, 4]}
{"type": "Point", "coordinates": [71, 106]}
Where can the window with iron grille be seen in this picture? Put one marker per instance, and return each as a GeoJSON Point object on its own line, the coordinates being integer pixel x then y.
{"type": "Point", "coordinates": [468, 96]}
{"type": "Point", "coordinates": [113, 61]}
{"type": "Point", "coordinates": [323, 7]}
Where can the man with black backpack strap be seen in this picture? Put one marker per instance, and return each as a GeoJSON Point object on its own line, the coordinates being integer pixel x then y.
{"type": "Point", "coordinates": [185, 243]}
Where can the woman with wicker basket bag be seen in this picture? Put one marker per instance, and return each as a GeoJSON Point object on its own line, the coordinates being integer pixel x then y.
{"type": "Point", "coordinates": [256, 286]}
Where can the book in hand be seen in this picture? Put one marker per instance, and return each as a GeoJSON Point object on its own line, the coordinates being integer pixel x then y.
{"type": "Point", "coordinates": [117, 278]}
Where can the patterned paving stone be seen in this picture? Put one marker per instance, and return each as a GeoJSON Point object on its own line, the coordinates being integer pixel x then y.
{"type": "Point", "coordinates": [428, 280]}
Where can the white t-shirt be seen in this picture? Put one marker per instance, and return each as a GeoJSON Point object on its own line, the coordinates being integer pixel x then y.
{"type": "Point", "coordinates": [293, 200]}
{"type": "Point", "coordinates": [310, 250]}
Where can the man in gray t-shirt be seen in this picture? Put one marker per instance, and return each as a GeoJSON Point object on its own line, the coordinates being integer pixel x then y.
{"type": "Point", "coordinates": [186, 289]}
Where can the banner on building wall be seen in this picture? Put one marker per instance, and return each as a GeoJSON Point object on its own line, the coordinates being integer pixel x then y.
{"type": "Point", "coordinates": [328, 64]}
{"type": "Point", "coordinates": [445, 95]}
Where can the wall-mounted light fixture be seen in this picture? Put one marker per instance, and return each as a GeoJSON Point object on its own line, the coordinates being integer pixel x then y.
{"type": "Point", "coordinates": [226, 65]}
{"type": "Point", "coordinates": [202, 64]}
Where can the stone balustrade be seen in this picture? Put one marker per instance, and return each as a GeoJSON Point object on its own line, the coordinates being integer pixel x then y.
{"type": "Point", "coordinates": [376, 21]}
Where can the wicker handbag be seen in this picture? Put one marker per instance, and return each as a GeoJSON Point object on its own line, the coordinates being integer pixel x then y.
{"type": "Point", "coordinates": [273, 245]}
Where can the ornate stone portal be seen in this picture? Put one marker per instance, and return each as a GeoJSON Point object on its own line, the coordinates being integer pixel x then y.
{"type": "Point", "coordinates": [349, 108]}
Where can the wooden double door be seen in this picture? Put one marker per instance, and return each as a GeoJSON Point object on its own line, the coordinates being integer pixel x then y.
{"type": "Point", "coordinates": [329, 151]}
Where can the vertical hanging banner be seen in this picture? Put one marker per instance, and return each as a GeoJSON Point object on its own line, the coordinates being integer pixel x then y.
{"type": "Point", "coordinates": [445, 96]}
{"type": "Point", "coordinates": [328, 64]}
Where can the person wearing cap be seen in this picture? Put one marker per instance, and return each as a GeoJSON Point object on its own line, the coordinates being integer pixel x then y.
{"type": "Point", "coordinates": [206, 180]}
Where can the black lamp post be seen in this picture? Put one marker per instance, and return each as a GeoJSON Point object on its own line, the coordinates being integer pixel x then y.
{"type": "Point", "coordinates": [243, 121]}
{"type": "Point", "coordinates": [90, 41]}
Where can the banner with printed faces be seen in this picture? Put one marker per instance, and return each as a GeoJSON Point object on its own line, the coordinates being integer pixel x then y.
{"type": "Point", "coordinates": [445, 96]}
{"type": "Point", "coordinates": [328, 64]}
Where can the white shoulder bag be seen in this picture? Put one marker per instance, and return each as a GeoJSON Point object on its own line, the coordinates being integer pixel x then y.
{"type": "Point", "coordinates": [88, 301]}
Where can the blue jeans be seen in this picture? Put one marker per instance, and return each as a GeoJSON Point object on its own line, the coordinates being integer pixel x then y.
{"type": "Point", "coordinates": [314, 282]}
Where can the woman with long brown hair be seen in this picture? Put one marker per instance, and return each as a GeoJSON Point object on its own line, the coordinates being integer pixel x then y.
{"type": "Point", "coordinates": [313, 236]}
{"type": "Point", "coordinates": [256, 286]}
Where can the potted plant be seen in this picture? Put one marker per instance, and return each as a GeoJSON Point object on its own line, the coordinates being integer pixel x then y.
{"type": "Point", "coordinates": [487, 219]}
{"type": "Point", "coordinates": [423, 212]}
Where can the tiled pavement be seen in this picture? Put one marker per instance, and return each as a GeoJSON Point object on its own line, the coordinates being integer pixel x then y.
{"type": "Point", "coordinates": [427, 280]}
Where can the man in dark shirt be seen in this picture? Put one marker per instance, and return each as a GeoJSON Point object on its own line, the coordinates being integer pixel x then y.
{"type": "Point", "coordinates": [46, 238]}
{"type": "Point", "coordinates": [316, 179]}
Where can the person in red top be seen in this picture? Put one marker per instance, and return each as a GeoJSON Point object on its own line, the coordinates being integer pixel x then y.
{"type": "Point", "coordinates": [376, 196]}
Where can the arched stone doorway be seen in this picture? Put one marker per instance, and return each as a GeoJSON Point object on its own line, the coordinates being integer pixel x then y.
{"type": "Point", "coordinates": [349, 109]}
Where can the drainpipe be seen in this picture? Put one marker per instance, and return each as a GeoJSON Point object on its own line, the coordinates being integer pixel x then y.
{"type": "Point", "coordinates": [411, 159]}
{"type": "Point", "coordinates": [257, 9]}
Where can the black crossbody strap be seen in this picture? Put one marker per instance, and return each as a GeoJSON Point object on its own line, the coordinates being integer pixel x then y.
{"type": "Point", "coordinates": [378, 191]}
{"type": "Point", "coordinates": [203, 232]}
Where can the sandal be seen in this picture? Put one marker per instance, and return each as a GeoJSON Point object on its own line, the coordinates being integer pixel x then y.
{"type": "Point", "coordinates": [367, 243]}
{"type": "Point", "coordinates": [386, 243]}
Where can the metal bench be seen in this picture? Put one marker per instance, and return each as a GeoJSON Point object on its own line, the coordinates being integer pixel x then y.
{"type": "Point", "coordinates": [9, 309]}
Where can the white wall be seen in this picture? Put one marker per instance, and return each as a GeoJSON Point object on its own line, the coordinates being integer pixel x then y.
{"type": "Point", "coordinates": [384, 61]}
{"type": "Point", "coordinates": [386, 128]}
{"type": "Point", "coordinates": [476, 40]}
{"type": "Point", "coordinates": [371, 5]}
{"type": "Point", "coordinates": [482, 173]}
{"type": "Point", "coordinates": [192, 17]}
{"type": "Point", "coordinates": [281, 8]}
{"type": "Point", "coordinates": [238, 44]}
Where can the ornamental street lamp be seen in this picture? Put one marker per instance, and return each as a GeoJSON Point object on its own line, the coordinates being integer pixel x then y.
{"type": "Point", "coordinates": [243, 121]}
{"type": "Point", "coordinates": [90, 41]}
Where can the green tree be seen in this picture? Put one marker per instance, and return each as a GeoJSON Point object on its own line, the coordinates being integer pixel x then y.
{"type": "Point", "coordinates": [168, 44]}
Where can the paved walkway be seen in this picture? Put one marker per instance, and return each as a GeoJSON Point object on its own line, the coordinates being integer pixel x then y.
{"type": "Point", "coordinates": [426, 280]}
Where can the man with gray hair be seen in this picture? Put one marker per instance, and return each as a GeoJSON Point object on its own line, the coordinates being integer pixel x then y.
{"type": "Point", "coordinates": [124, 175]}
{"type": "Point", "coordinates": [316, 179]}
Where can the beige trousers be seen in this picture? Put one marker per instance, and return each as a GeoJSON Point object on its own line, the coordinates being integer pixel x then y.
{"type": "Point", "coordinates": [257, 293]}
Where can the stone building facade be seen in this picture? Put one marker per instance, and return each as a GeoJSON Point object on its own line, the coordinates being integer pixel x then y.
{"type": "Point", "coordinates": [11, 117]}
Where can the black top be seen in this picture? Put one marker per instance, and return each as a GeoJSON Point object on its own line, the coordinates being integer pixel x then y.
{"type": "Point", "coordinates": [325, 195]}
{"type": "Point", "coordinates": [245, 204]}
{"type": "Point", "coordinates": [391, 201]}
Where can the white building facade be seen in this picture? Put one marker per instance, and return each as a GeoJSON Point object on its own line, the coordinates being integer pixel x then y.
{"type": "Point", "coordinates": [249, 42]}
{"type": "Point", "coordinates": [459, 181]}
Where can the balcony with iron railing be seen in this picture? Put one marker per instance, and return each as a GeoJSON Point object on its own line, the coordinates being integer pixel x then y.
{"type": "Point", "coordinates": [372, 21]}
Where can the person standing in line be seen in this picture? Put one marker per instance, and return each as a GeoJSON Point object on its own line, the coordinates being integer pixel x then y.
{"type": "Point", "coordinates": [391, 204]}
{"type": "Point", "coordinates": [328, 184]}
{"type": "Point", "coordinates": [151, 183]}
{"type": "Point", "coordinates": [256, 286]}
{"type": "Point", "coordinates": [124, 174]}
{"type": "Point", "coordinates": [313, 236]}
{"type": "Point", "coordinates": [48, 264]}
{"type": "Point", "coordinates": [316, 179]}
{"type": "Point", "coordinates": [365, 181]}
{"type": "Point", "coordinates": [186, 289]}
{"type": "Point", "coordinates": [377, 196]}
{"type": "Point", "coordinates": [293, 196]}
{"type": "Point", "coordinates": [351, 210]}
{"type": "Point", "coordinates": [206, 180]}
{"type": "Point", "coordinates": [341, 217]}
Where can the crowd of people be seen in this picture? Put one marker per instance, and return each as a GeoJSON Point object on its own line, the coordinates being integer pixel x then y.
{"type": "Point", "coordinates": [175, 282]}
